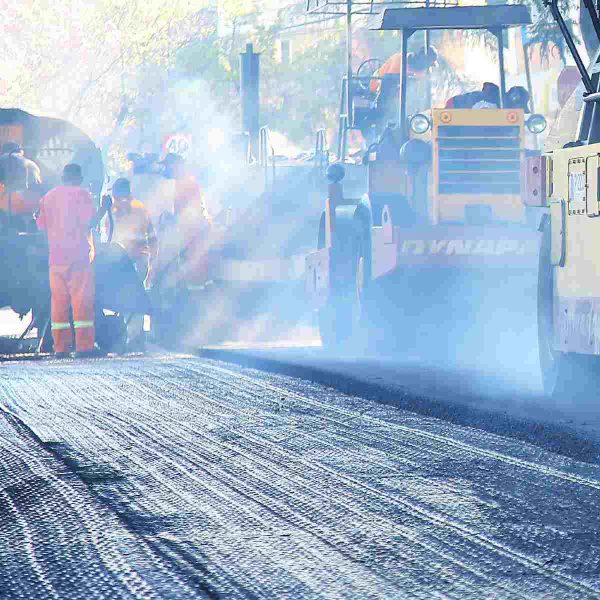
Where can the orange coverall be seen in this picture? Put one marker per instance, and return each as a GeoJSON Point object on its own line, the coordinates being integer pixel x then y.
{"type": "Point", "coordinates": [65, 215]}
{"type": "Point", "coordinates": [134, 232]}
{"type": "Point", "coordinates": [193, 222]}
{"type": "Point", "coordinates": [189, 198]}
{"type": "Point", "coordinates": [392, 66]}
{"type": "Point", "coordinates": [17, 202]}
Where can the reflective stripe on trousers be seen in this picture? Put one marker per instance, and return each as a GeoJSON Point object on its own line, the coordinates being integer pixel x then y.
{"type": "Point", "coordinates": [72, 286]}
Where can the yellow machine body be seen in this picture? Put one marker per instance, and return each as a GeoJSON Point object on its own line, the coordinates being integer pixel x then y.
{"type": "Point", "coordinates": [572, 184]}
{"type": "Point", "coordinates": [477, 161]}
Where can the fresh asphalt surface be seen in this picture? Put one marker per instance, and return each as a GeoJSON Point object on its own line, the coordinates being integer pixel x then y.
{"type": "Point", "coordinates": [179, 476]}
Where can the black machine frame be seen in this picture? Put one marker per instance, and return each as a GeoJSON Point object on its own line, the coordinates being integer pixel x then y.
{"type": "Point", "coordinates": [589, 124]}
{"type": "Point", "coordinates": [328, 9]}
{"type": "Point", "coordinates": [409, 17]}
{"type": "Point", "coordinates": [408, 21]}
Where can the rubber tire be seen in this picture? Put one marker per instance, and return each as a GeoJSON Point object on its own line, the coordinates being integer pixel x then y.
{"type": "Point", "coordinates": [341, 320]}
{"type": "Point", "coordinates": [111, 332]}
{"type": "Point", "coordinates": [550, 360]}
{"type": "Point", "coordinates": [565, 376]}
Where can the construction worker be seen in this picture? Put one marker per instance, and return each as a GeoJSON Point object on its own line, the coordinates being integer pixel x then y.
{"type": "Point", "coordinates": [189, 200]}
{"type": "Point", "coordinates": [66, 213]}
{"type": "Point", "coordinates": [133, 229]}
{"type": "Point", "coordinates": [386, 88]}
{"type": "Point", "coordinates": [190, 227]}
{"type": "Point", "coordinates": [417, 66]}
{"type": "Point", "coordinates": [151, 186]}
{"type": "Point", "coordinates": [134, 232]}
{"type": "Point", "coordinates": [18, 178]}
{"type": "Point", "coordinates": [488, 97]}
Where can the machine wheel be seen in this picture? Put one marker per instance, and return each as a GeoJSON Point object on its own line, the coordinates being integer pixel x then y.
{"type": "Point", "coordinates": [169, 321]}
{"type": "Point", "coordinates": [111, 333]}
{"type": "Point", "coordinates": [341, 322]}
{"type": "Point", "coordinates": [564, 375]}
{"type": "Point", "coordinates": [549, 359]}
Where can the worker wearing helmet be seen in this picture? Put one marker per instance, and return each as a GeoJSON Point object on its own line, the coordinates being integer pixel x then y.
{"type": "Point", "coordinates": [417, 66]}
{"type": "Point", "coordinates": [488, 97]}
{"type": "Point", "coordinates": [134, 232]}
{"type": "Point", "coordinates": [189, 200]}
{"type": "Point", "coordinates": [133, 229]}
{"type": "Point", "coordinates": [17, 175]}
{"type": "Point", "coordinates": [191, 223]}
{"type": "Point", "coordinates": [66, 213]}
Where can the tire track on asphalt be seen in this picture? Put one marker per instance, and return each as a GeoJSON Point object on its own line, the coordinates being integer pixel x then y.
{"type": "Point", "coordinates": [421, 434]}
{"type": "Point", "coordinates": [101, 384]}
{"type": "Point", "coordinates": [113, 566]}
{"type": "Point", "coordinates": [208, 399]}
{"type": "Point", "coordinates": [149, 418]}
{"type": "Point", "coordinates": [156, 558]}
{"type": "Point", "coordinates": [153, 434]}
{"type": "Point", "coordinates": [447, 519]}
{"type": "Point", "coordinates": [387, 443]}
{"type": "Point", "coordinates": [66, 391]}
{"type": "Point", "coordinates": [264, 463]}
{"type": "Point", "coordinates": [28, 545]}
{"type": "Point", "coordinates": [123, 433]}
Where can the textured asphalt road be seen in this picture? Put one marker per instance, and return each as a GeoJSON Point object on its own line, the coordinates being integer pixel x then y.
{"type": "Point", "coordinates": [172, 476]}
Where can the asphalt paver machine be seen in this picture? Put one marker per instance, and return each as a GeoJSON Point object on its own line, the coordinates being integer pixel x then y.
{"type": "Point", "coordinates": [444, 241]}
{"type": "Point", "coordinates": [51, 144]}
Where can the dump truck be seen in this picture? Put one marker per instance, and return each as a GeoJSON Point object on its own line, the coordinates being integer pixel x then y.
{"type": "Point", "coordinates": [445, 239]}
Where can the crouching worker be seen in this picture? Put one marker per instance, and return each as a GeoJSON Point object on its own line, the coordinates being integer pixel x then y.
{"type": "Point", "coordinates": [65, 214]}
{"type": "Point", "coordinates": [134, 232]}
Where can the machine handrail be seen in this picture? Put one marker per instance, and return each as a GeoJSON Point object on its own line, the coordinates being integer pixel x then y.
{"type": "Point", "coordinates": [265, 149]}
{"type": "Point", "coordinates": [321, 150]}
{"type": "Point", "coordinates": [368, 7]}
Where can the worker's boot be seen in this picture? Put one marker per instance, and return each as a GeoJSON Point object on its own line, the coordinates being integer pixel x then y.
{"type": "Point", "coordinates": [93, 353]}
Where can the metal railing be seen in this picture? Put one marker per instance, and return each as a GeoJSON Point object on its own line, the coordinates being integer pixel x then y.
{"type": "Point", "coordinates": [321, 158]}
{"type": "Point", "coordinates": [266, 155]}
{"type": "Point", "coordinates": [369, 7]}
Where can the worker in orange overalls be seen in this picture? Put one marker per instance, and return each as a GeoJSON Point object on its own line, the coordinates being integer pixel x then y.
{"type": "Point", "coordinates": [17, 204]}
{"type": "Point", "coordinates": [417, 66]}
{"type": "Point", "coordinates": [192, 222]}
{"type": "Point", "coordinates": [66, 214]}
{"type": "Point", "coordinates": [189, 200]}
{"type": "Point", "coordinates": [134, 232]}
{"type": "Point", "coordinates": [17, 175]}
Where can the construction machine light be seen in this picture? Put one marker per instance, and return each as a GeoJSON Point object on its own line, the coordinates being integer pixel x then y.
{"type": "Point", "coordinates": [537, 123]}
{"type": "Point", "coordinates": [420, 124]}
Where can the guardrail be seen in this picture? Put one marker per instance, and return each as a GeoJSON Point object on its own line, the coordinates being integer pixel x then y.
{"type": "Point", "coordinates": [369, 7]}
{"type": "Point", "coordinates": [321, 158]}
{"type": "Point", "coordinates": [266, 152]}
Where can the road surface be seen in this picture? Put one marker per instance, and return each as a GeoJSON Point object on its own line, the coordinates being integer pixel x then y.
{"type": "Point", "coordinates": [174, 476]}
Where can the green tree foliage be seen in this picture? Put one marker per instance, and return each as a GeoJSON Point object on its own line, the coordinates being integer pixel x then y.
{"type": "Point", "coordinates": [127, 70]}
{"type": "Point", "coordinates": [544, 32]}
